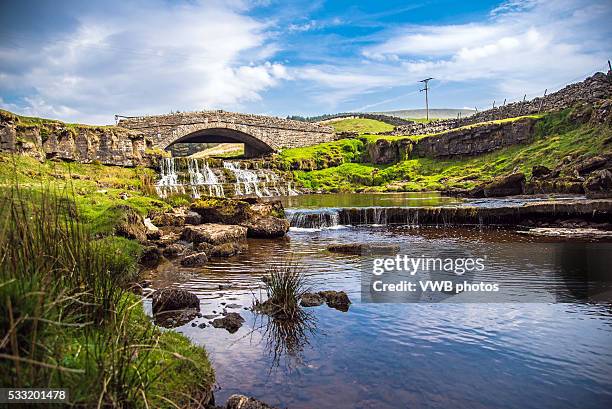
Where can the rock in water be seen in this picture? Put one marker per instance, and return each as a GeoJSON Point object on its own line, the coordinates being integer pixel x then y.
{"type": "Point", "coordinates": [509, 185]}
{"type": "Point", "coordinates": [311, 300]}
{"type": "Point", "coordinates": [151, 257]}
{"type": "Point", "coordinates": [336, 299]}
{"type": "Point", "coordinates": [174, 299]}
{"type": "Point", "coordinates": [231, 322]}
{"type": "Point", "coordinates": [364, 248]}
{"type": "Point", "coordinates": [244, 402]}
{"type": "Point", "coordinates": [267, 227]}
{"type": "Point", "coordinates": [195, 260]}
{"type": "Point", "coordinates": [214, 233]}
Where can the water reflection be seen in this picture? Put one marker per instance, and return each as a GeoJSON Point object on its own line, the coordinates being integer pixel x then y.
{"type": "Point", "coordinates": [285, 339]}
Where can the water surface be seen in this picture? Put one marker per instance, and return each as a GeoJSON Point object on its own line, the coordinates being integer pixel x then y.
{"type": "Point", "coordinates": [400, 355]}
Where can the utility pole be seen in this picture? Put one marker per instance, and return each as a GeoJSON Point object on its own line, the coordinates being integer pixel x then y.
{"type": "Point", "coordinates": [426, 89]}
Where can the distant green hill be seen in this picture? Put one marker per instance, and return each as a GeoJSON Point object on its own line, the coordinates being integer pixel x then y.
{"type": "Point", "coordinates": [433, 113]}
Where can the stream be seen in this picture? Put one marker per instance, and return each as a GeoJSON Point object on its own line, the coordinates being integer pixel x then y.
{"type": "Point", "coordinates": [541, 345]}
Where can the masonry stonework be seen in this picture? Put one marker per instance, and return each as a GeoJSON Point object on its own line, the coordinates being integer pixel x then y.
{"type": "Point", "coordinates": [259, 133]}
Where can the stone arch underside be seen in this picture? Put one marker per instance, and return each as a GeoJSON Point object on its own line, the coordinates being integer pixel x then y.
{"type": "Point", "coordinates": [253, 146]}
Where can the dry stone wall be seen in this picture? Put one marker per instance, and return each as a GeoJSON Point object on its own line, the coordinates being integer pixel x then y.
{"type": "Point", "coordinates": [591, 90]}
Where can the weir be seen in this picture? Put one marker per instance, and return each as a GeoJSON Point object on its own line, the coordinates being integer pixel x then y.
{"type": "Point", "coordinates": [593, 211]}
{"type": "Point", "coordinates": [198, 177]}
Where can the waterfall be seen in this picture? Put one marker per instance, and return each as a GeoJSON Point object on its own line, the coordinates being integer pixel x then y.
{"type": "Point", "coordinates": [196, 176]}
{"type": "Point", "coordinates": [207, 179]}
{"type": "Point", "coordinates": [314, 219]}
{"type": "Point", "coordinates": [247, 182]}
{"type": "Point", "coordinates": [168, 182]}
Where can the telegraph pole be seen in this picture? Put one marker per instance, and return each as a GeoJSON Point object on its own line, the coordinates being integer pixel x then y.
{"type": "Point", "coordinates": [426, 89]}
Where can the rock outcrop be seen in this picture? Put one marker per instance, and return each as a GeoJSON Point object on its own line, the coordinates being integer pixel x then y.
{"type": "Point", "coordinates": [48, 139]}
{"type": "Point", "coordinates": [507, 185]}
{"type": "Point", "coordinates": [174, 299]}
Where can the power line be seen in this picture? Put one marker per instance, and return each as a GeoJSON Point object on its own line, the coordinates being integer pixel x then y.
{"type": "Point", "coordinates": [426, 89]}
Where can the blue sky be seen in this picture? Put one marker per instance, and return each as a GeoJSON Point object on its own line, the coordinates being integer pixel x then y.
{"type": "Point", "coordinates": [86, 61]}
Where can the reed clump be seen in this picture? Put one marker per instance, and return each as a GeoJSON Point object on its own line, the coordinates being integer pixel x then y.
{"type": "Point", "coordinates": [67, 320]}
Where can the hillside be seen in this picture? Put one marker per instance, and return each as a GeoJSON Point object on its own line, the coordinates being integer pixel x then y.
{"type": "Point", "coordinates": [438, 113]}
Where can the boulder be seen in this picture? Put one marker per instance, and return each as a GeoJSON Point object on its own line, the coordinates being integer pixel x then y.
{"type": "Point", "coordinates": [195, 260]}
{"type": "Point", "coordinates": [364, 248]}
{"type": "Point", "coordinates": [130, 224]}
{"type": "Point", "coordinates": [599, 184]}
{"type": "Point", "coordinates": [539, 171]}
{"type": "Point", "coordinates": [589, 165]}
{"type": "Point", "coordinates": [243, 402]}
{"type": "Point", "coordinates": [221, 210]}
{"type": "Point", "coordinates": [173, 319]}
{"type": "Point", "coordinates": [311, 300]}
{"type": "Point", "coordinates": [231, 322]}
{"type": "Point", "coordinates": [152, 231]}
{"type": "Point", "coordinates": [214, 233]}
{"type": "Point", "coordinates": [266, 227]}
{"type": "Point", "coordinates": [508, 185]}
{"type": "Point", "coordinates": [174, 299]}
{"type": "Point", "coordinates": [336, 299]}
{"type": "Point", "coordinates": [151, 257]}
{"type": "Point", "coordinates": [175, 218]}
{"type": "Point", "coordinates": [174, 250]}
{"type": "Point", "coordinates": [192, 218]}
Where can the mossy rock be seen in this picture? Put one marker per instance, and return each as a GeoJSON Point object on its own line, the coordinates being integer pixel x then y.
{"type": "Point", "coordinates": [221, 210]}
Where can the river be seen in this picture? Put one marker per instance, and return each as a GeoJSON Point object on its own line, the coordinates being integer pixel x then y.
{"type": "Point", "coordinates": [540, 345]}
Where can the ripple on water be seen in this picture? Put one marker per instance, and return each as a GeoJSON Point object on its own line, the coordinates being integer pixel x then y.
{"type": "Point", "coordinates": [528, 355]}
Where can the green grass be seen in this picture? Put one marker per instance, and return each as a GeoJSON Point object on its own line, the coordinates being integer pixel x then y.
{"type": "Point", "coordinates": [95, 188]}
{"type": "Point", "coordinates": [67, 319]}
{"type": "Point", "coordinates": [361, 126]}
{"type": "Point", "coordinates": [323, 155]}
{"type": "Point", "coordinates": [557, 136]}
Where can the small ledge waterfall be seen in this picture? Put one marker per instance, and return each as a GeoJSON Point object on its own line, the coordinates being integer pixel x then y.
{"type": "Point", "coordinates": [197, 177]}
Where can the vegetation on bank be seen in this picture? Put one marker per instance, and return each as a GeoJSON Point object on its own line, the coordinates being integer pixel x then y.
{"type": "Point", "coordinates": [557, 136]}
{"type": "Point", "coordinates": [67, 316]}
{"type": "Point", "coordinates": [361, 125]}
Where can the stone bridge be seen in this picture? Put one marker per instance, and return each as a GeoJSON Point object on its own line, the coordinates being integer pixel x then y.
{"type": "Point", "coordinates": [260, 134]}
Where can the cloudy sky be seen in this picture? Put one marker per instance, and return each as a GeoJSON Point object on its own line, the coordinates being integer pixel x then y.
{"type": "Point", "coordinates": [86, 61]}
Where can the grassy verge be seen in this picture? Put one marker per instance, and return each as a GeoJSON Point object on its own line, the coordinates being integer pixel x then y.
{"type": "Point", "coordinates": [361, 125]}
{"type": "Point", "coordinates": [557, 136]}
{"type": "Point", "coordinates": [66, 318]}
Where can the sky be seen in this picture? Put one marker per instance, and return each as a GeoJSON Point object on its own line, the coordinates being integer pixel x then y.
{"type": "Point", "coordinates": [85, 61]}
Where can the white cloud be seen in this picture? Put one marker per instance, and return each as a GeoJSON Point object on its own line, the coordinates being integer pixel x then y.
{"type": "Point", "coordinates": [524, 47]}
{"type": "Point", "coordinates": [148, 60]}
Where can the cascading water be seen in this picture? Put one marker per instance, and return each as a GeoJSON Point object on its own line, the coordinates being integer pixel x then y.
{"type": "Point", "coordinates": [199, 178]}
{"type": "Point", "coordinates": [206, 178]}
{"type": "Point", "coordinates": [168, 182]}
{"type": "Point", "coordinates": [313, 219]}
{"type": "Point", "coordinates": [247, 181]}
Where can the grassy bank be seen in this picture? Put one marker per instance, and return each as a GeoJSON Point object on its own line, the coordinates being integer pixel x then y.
{"type": "Point", "coordinates": [360, 125]}
{"type": "Point", "coordinates": [67, 316]}
{"type": "Point", "coordinates": [557, 136]}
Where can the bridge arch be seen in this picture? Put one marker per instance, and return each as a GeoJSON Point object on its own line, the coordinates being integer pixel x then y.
{"type": "Point", "coordinates": [254, 146]}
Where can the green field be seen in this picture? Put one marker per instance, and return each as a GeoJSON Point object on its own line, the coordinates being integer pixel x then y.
{"type": "Point", "coordinates": [557, 136]}
{"type": "Point", "coordinates": [361, 125]}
